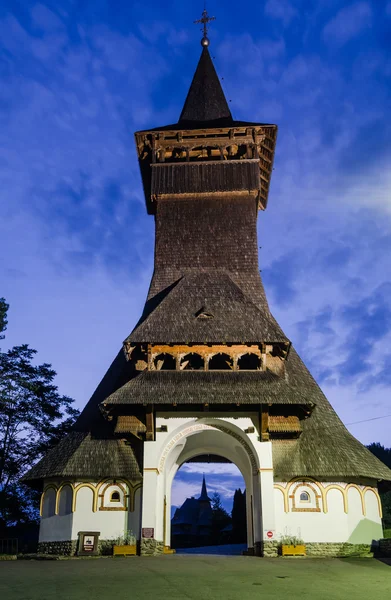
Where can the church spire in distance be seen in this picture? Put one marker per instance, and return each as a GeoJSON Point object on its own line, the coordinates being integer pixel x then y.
{"type": "Point", "coordinates": [204, 494]}
{"type": "Point", "coordinates": [205, 100]}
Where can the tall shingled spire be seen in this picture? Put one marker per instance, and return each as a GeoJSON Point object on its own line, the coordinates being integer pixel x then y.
{"type": "Point", "coordinates": [205, 100]}
{"type": "Point", "coordinates": [204, 494]}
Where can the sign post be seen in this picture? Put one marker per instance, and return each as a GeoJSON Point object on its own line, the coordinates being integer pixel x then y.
{"type": "Point", "coordinates": [88, 543]}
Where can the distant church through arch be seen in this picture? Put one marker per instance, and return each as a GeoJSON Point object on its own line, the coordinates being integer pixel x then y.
{"type": "Point", "coordinates": [205, 520]}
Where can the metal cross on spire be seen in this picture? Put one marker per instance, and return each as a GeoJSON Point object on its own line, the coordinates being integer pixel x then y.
{"type": "Point", "coordinates": [205, 20]}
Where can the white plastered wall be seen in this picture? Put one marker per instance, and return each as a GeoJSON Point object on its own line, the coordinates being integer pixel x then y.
{"type": "Point", "coordinates": [110, 524]}
{"type": "Point", "coordinates": [347, 513]}
{"type": "Point", "coordinates": [88, 506]}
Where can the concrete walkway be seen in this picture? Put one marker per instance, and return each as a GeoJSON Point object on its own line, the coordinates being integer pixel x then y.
{"type": "Point", "coordinates": [225, 550]}
{"type": "Point", "coordinates": [187, 577]}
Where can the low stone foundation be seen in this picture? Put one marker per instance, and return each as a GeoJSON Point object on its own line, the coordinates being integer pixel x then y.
{"type": "Point", "coordinates": [385, 547]}
{"type": "Point", "coordinates": [270, 549]}
{"type": "Point", "coordinates": [151, 547]}
{"type": "Point", "coordinates": [336, 549]}
{"type": "Point", "coordinates": [319, 549]}
{"type": "Point", "coordinates": [64, 548]}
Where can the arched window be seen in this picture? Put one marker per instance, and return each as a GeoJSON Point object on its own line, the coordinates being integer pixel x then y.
{"type": "Point", "coordinates": [192, 362]}
{"type": "Point", "coordinates": [65, 503]}
{"type": "Point", "coordinates": [165, 362]}
{"type": "Point", "coordinates": [115, 497]}
{"type": "Point", "coordinates": [49, 503]}
{"type": "Point", "coordinates": [220, 362]}
{"type": "Point", "coordinates": [304, 497]}
{"type": "Point", "coordinates": [249, 362]}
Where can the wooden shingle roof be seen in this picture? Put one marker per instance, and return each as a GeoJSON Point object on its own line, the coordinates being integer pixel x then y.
{"type": "Point", "coordinates": [212, 387]}
{"type": "Point", "coordinates": [82, 455]}
{"type": "Point", "coordinates": [205, 100]}
{"type": "Point", "coordinates": [235, 318]}
{"type": "Point", "coordinates": [281, 424]}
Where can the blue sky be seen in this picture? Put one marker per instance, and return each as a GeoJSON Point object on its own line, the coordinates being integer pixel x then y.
{"type": "Point", "coordinates": [78, 77]}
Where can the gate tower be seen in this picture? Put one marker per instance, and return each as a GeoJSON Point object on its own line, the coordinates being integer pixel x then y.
{"type": "Point", "coordinates": [207, 371]}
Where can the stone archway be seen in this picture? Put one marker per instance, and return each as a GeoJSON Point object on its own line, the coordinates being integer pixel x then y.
{"type": "Point", "coordinates": [217, 437]}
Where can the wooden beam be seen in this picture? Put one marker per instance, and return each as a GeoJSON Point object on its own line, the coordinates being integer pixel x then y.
{"type": "Point", "coordinates": [265, 436]}
{"type": "Point", "coordinates": [150, 423]}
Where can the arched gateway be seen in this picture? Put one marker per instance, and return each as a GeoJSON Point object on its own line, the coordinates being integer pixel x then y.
{"type": "Point", "coordinates": [207, 369]}
{"type": "Point", "coordinates": [194, 437]}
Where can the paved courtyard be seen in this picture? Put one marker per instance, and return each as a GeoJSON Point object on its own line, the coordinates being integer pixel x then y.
{"type": "Point", "coordinates": [195, 577]}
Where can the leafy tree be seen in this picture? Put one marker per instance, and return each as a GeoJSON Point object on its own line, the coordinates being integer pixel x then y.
{"type": "Point", "coordinates": [33, 417]}
{"type": "Point", "coordinates": [220, 517]}
{"type": "Point", "coordinates": [383, 454]}
{"type": "Point", "coordinates": [239, 527]}
{"type": "Point", "coordinates": [3, 317]}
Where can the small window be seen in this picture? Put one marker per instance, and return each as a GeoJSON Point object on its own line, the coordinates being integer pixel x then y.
{"type": "Point", "coordinates": [220, 362]}
{"type": "Point", "coordinates": [165, 362]}
{"type": "Point", "coordinates": [192, 362]}
{"type": "Point", "coordinates": [249, 362]}
{"type": "Point", "coordinates": [304, 497]}
{"type": "Point", "coordinates": [115, 497]}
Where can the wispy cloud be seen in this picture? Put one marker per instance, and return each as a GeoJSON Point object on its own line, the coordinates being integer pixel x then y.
{"type": "Point", "coordinates": [78, 245]}
{"type": "Point", "coordinates": [348, 23]}
{"type": "Point", "coordinates": [281, 9]}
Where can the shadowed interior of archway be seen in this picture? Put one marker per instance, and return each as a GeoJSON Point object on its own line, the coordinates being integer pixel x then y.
{"type": "Point", "coordinates": [208, 507]}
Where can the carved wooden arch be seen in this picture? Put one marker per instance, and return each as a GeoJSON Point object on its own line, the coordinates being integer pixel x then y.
{"type": "Point", "coordinates": [59, 490]}
{"type": "Point", "coordinates": [335, 486]}
{"type": "Point", "coordinates": [249, 353]}
{"type": "Point", "coordinates": [228, 352]}
{"type": "Point", "coordinates": [46, 488]}
{"type": "Point", "coordinates": [94, 495]}
{"type": "Point", "coordinates": [154, 356]}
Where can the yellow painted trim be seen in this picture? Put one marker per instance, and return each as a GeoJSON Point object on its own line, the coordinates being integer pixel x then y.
{"type": "Point", "coordinates": [324, 490]}
{"type": "Point", "coordinates": [132, 487]}
{"type": "Point", "coordinates": [66, 483]}
{"type": "Point", "coordinates": [310, 480]}
{"type": "Point", "coordinates": [153, 469]}
{"type": "Point", "coordinates": [46, 488]}
{"type": "Point", "coordinates": [344, 496]}
{"type": "Point", "coordinates": [355, 486]}
{"type": "Point", "coordinates": [261, 470]}
{"type": "Point", "coordinates": [283, 490]}
{"type": "Point", "coordinates": [310, 485]}
{"type": "Point", "coordinates": [94, 497]}
{"type": "Point", "coordinates": [101, 495]}
{"type": "Point", "coordinates": [374, 490]}
{"type": "Point", "coordinates": [113, 481]}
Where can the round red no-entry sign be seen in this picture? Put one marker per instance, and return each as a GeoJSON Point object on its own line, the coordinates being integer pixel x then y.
{"type": "Point", "coordinates": [269, 534]}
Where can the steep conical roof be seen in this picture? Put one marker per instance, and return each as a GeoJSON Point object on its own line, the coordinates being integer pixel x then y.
{"type": "Point", "coordinates": [204, 494]}
{"type": "Point", "coordinates": [205, 100]}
